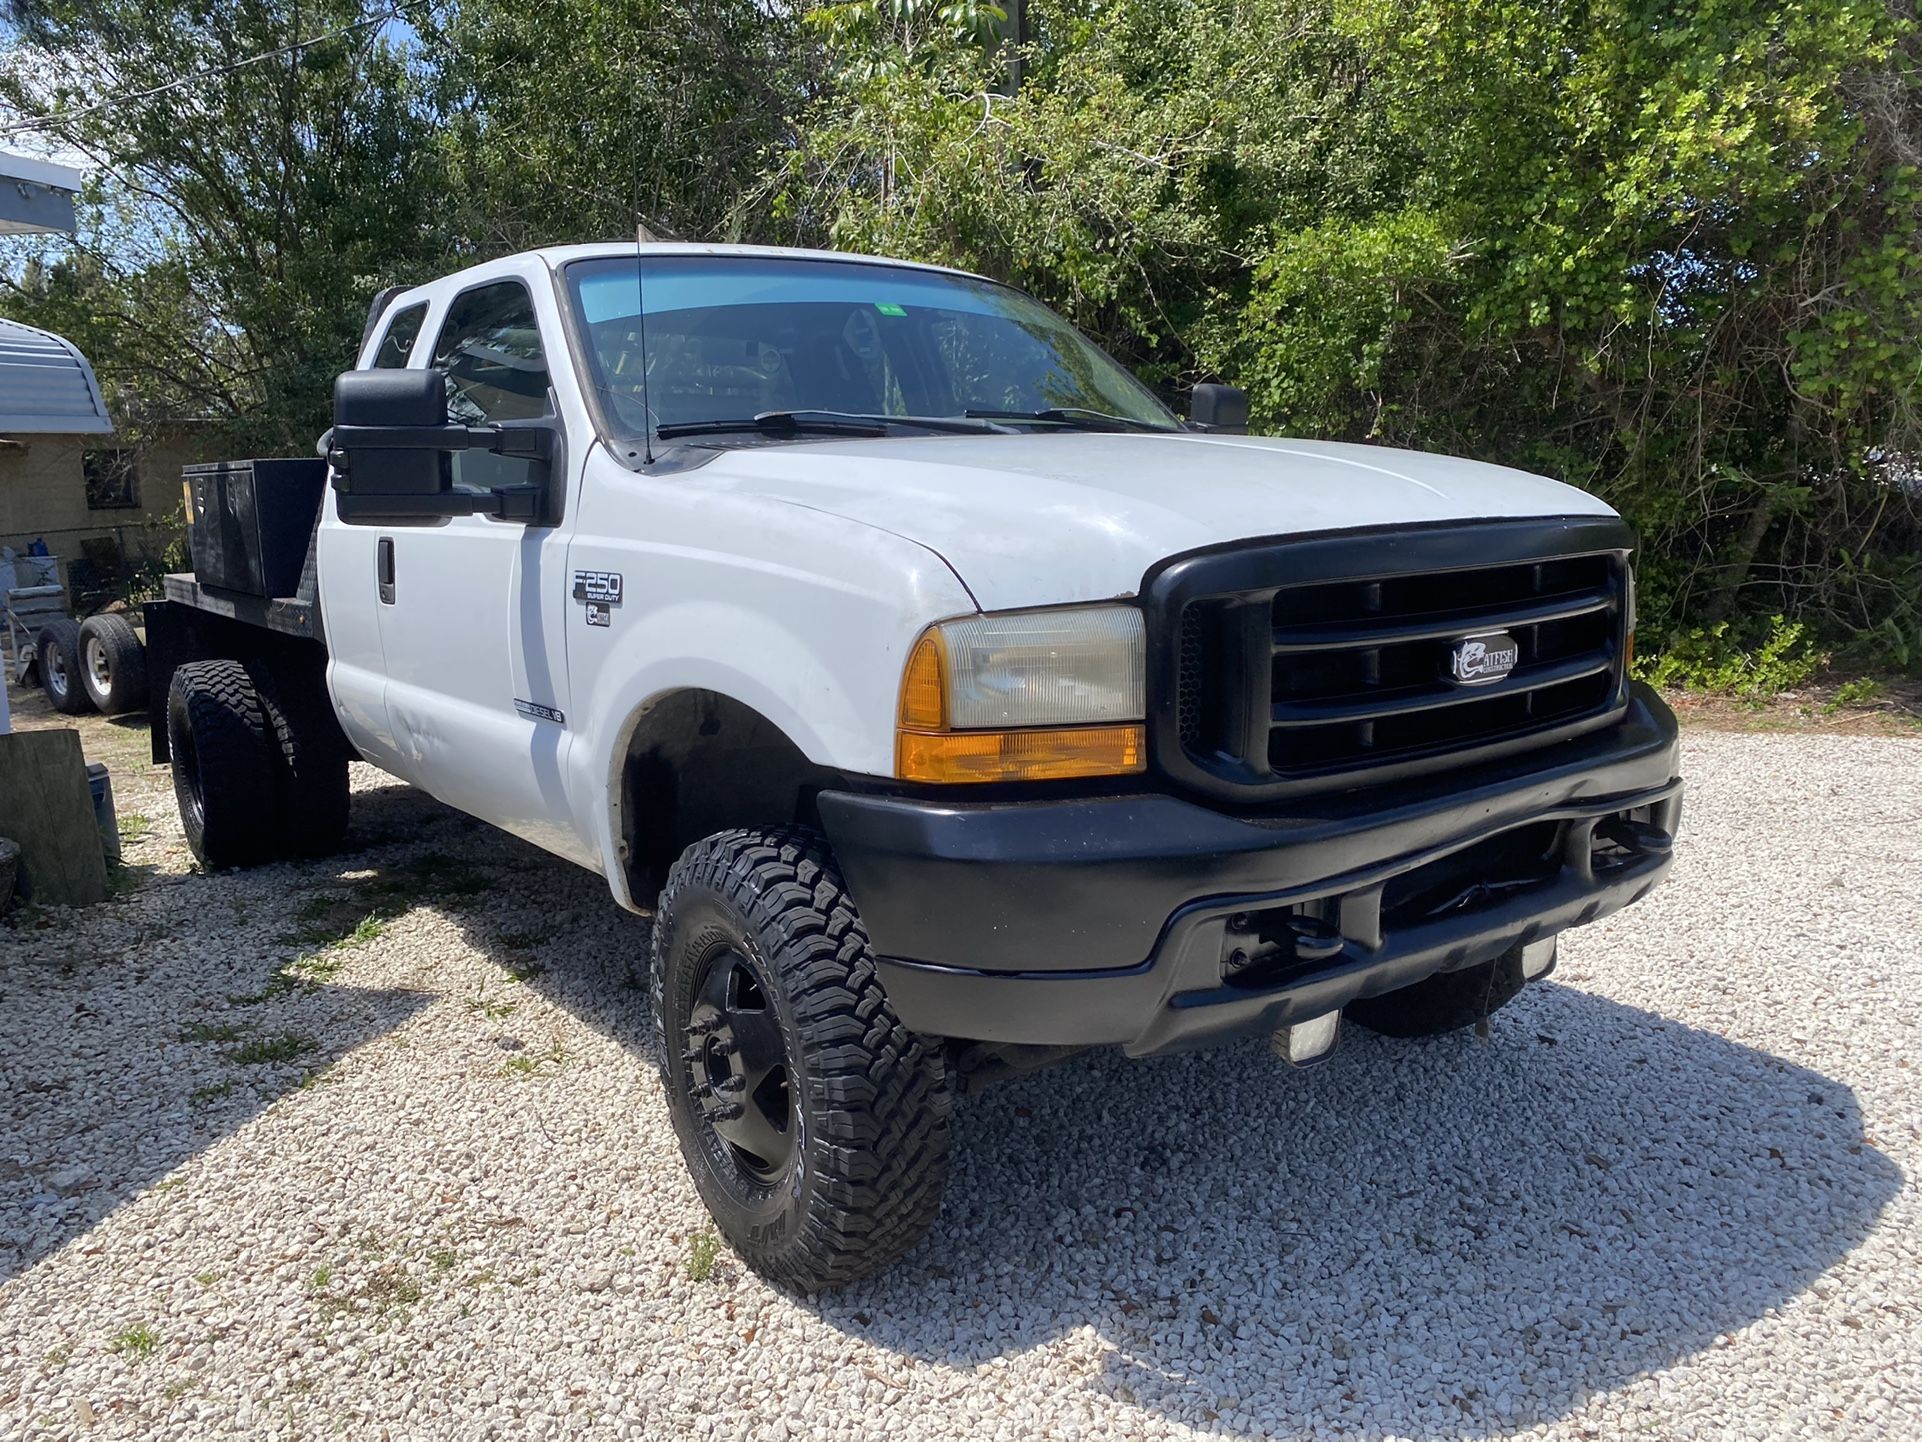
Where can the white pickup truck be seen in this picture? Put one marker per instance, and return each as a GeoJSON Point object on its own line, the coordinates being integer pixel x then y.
{"type": "Point", "coordinates": [953, 705]}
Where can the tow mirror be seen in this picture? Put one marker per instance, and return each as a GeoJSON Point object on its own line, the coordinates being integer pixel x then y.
{"type": "Point", "coordinates": [369, 474]}
{"type": "Point", "coordinates": [392, 453]}
{"type": "Point", "coordinates": [1223, 409]}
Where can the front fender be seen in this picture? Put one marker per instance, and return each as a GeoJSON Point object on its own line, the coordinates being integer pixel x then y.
{"type": "Point", "coordinates": [805, 617]}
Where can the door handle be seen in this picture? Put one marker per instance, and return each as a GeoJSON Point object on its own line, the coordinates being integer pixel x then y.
{"type": "Point", "coordinates": [384, 569]}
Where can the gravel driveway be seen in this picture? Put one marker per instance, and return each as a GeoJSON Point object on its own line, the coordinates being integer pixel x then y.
{"type": "Point", "coordinates": [372, 1148]}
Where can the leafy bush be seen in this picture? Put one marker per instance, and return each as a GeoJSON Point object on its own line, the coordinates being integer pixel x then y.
{"type": "Point", "coordinates": [1720, 658]}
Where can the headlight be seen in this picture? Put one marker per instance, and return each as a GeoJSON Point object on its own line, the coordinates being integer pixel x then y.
{"type": "Point", "coordinates": [1029, 695]}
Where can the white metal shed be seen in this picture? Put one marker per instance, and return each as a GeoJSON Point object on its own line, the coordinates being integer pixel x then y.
{"type": "Point", "coordinates": [46, 386]}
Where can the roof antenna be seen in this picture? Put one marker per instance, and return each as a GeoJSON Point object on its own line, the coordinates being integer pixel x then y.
{"type": "Point", "coordinates": [642, 236]}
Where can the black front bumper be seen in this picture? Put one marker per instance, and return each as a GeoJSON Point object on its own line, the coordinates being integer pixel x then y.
{"type": "Point", "coordinates": [1151, 922]}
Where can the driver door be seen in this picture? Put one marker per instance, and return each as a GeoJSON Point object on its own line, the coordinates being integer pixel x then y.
{"type": "Point", "coordinates": [477, 692]}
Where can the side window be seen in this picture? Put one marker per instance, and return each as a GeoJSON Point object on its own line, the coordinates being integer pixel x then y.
{"type": "Point", "coordinates": [398, 344]}
{"type": "Point", "coordinates": [490, 352]}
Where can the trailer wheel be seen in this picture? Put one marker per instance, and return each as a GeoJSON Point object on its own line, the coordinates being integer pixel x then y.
{"type": "Point", "coordinates": [58, 654]}
{"type": "Point", "coordinates": [113, 665]}
{"type": "Point", "coordinates": [1445, 1002]}
{"type": "Point", "coordinates": [815, 1124]}
{"type": "Point", "coordinates": [223, 764]}
{"type": "Point", "coordinates": [309, 756]}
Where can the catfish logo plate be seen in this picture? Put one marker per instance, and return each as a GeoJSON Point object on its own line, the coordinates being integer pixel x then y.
{"type": "Point", "coordinates": [598, 614]}
{"type": "Point", "coordinates": [602, 587]}
{"type": "Point", "coordinates": [1483, 660]}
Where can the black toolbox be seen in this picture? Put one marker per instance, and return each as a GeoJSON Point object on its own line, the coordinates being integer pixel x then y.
{"type": "Point", "coordinates": [249, 522]}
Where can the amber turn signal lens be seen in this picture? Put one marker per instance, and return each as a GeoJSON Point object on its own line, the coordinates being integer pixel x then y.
{"type": "Point", "coordinates": [924, 686]}
{"type": "Point", "coordinates": [1049, 754]}
{"type": "Point", "coordinates": [1628, 654]}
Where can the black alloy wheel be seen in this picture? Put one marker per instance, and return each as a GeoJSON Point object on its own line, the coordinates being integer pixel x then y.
{"type": "Point", "coordinates": [738, 1070]}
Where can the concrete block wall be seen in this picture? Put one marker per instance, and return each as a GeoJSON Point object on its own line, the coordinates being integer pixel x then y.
{"type": "Point", "coordinates": [43, 492]}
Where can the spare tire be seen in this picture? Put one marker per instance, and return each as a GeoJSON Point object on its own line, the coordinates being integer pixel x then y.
{"type": "Point", "coordinates": [58, 651]}
{"type": "Point", "coordinates": [113, 664]}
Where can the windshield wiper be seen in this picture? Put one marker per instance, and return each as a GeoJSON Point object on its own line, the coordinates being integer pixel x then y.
{"type": "Point", "coordinates": [833, 423]}
{"type": "Point", "coordinates": [1068, 416]}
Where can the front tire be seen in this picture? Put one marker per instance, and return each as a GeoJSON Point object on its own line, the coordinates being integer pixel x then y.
{"type": "Point", "coordinates": [223, 765]}
{"type": "Point", "coordinates": [113, 665]}
{"type": "Point", "coordinates": [814, 1123]}
{"type": "Point", "coordinates": [58, 652]}
{"type": "Point", "coordinates": [1445, 1002]}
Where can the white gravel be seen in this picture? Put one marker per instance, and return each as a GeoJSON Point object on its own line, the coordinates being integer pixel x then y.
{"type": "Point", "coordinates": [1673, 1197]}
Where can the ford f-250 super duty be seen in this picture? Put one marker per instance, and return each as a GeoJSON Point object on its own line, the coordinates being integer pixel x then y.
{"type": "Point", "coordinates": [954, 706]}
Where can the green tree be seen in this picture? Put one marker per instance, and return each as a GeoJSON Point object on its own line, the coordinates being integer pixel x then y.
{"type": "Point", "coordinates": [572, 120]}
{"type": "Point", "coordinates": [237, 224]}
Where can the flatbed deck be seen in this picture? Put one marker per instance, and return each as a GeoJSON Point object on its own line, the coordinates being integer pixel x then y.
{"type": "Point", "coordinates": [289, 615]}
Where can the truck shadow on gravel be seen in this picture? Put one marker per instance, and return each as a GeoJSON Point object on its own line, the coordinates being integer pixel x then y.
{"type": "Point", "coordinates": [124, 1052]}
{"type": "Point", "coordinates": [1435, 1239]}
{"type": "Point", "coordinates": [1418, 1239]}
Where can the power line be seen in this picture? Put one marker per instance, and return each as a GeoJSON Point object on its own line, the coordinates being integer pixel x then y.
{"type": "Point", "coordinates": [49, 122]}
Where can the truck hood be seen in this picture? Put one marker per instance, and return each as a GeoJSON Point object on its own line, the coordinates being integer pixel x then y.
{"type": "Point", "coordinates": [1038, 519]}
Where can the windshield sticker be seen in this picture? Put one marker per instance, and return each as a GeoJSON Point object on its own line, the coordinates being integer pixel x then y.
{"type": "Point", "coordinates": [888, 307]}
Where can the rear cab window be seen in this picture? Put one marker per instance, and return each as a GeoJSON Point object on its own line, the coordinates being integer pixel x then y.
{"type": "Point", "coordinates": [397, 345]}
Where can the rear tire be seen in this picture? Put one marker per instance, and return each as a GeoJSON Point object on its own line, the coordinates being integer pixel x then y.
{"type": "Point", "coordinates": [223, 763]}
{"type": "Point", "coordinates": [814, 1123]}
{"type": "Point", "coordinates": [58, 652]}
{"type": "Point", "coordinates": [310, 759]}
{"type": "Point", "coordinates": [113, 665]}
{"type": "Point", "coordinates": [1445, 1002]}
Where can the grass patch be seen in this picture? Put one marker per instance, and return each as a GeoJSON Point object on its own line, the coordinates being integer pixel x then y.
{"type": "Point", "coordinates": [214, 1091]}
{"type": "Point", "coordinates": [124, 880]}
{"type": "Point", "coordinates": [212, 1031]}
{"type": "Point", "coordinates": [523, 969]}
{"type": "Point", "coordinates": [322, 1278]}
{"type": "Point", "coordinates": [703, 1250]}
{"type": "Point", "coordinates": [390, 1290]}
{"type": "Point", "coordinates": [280, 984]}
{"type": "Point", "coordinates": [177, 1388]}
{"type": "Point", "coordinates": [493, 1010]}
{"type": "Point", "coordinates": [137, 1342]}
{"type": "Point", "coordinates": [443, 1260]}
{"type": "Point", "coordinates": [322, 1076]}
{"type": "Point", "coordinates": [1859, 692]}
{"type": "Point", "coordinates": [133, 826]}
{"type": "Point", "coordinates": [525, 1065]}
{"type": "Point", "coordinates": [268, 1050]}
{"type": "Point", "coordinates": [206, 1279]}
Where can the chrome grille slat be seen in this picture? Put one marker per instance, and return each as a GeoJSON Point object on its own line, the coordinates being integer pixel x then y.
{"type": "Point", "coordinates": [1361, 706]}
{"type": "Point", "coordinates": [1357, 636]}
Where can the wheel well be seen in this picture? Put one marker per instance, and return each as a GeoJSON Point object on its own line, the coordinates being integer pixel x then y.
{"type": "Point", "coordinates": [701, 762]}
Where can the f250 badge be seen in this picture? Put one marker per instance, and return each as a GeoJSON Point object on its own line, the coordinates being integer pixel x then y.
{"type": "Point", "coordinates": [1480, 660]}
{"type": "Point", "coordinates": [599, 592]}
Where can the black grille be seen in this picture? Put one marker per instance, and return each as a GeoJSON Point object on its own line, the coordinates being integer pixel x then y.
{"type": "Point", "coordinates": [1324, 677]}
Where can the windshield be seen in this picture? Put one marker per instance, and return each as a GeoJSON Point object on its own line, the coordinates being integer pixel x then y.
{"type": "Point", "coordinates": [732, 337]}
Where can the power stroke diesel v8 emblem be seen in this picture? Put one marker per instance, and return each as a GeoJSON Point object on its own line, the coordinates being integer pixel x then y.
{"type": "Point", "coordinates": [1480, 660]}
